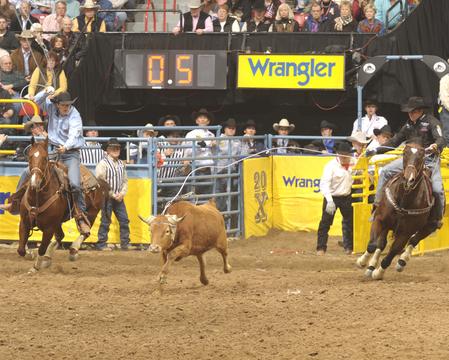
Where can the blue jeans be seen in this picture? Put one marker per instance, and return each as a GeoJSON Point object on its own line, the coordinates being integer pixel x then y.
{"type": "Point", "coordinates": [433, 164]}
{"type": "Point", "coordinates": [119, 209]}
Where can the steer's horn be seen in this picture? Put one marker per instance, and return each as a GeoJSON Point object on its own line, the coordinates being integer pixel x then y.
{"type": "Point", "coordinates": [174, 219]}
{"type": "Point", "coordinates": [146, 221]}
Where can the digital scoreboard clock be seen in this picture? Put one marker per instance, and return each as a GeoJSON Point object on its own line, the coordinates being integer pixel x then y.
{"type": "Point", "coordinates": [171, 69]}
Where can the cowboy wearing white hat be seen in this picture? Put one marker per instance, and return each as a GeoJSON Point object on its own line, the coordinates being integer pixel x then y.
{"type": "Point", "coordinates": [195, 20]}
{"type": "Point", "coordinates": [359, 142]}
{"type": "Point", "coordinates": [284, 145]}
{"type": "Point", "coordinates": [88, 21]}
{"type": "Point", "coordinates": [35, 126]}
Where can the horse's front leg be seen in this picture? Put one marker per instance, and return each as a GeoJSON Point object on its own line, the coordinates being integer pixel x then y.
{"type": "Point", "coordinates": [40, 260]}
{"type": "Point", "coordinates": [24, 233]}
{"type": "Point", "coordinates": [378, 237]}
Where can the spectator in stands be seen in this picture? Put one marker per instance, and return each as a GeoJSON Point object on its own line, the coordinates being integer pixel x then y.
{"type": "Point", "coordinates": [36, 126]}
{"type": "Point", "coordinates": [271, 9]}
{"type": "Point", "coordinates": [211, 7]}
{"type": "Point", "coordinates": [53, 22]}
{"type": "Point", "coordinates": [258, 23]}
{"type": "Point", "coordinates": [285, 21]}
{"type": "Point", "coordinates": [25, 60]}
{"type": "Point", "coordinates": [359, 142]}
{"type": "Point", "coordinates": [249, 144]}
{"type": "Point", "coordinates": [42, 9]}
{"type": "Point", "coordinates": [315, 22]}
{"type": "Point", "coordinates": [112, 170]}
{"type": "Point", "coordinates": [8, 41]}
{"type": "Point", "coordinates": [169, 120]}
{"type": "Point", "coordinates": [370, 24]}
{"type": "Point", "coordinates": [224, 22]}
{"type": "Point", "coordinates": [88, 21]}
{"type": "Point", "coordinates": [94, 153]}
{"type": "Point", "coordinates": [73, 8]}
{"type": "Point", "coordinates": [394, 17]}
{"type": "Point", "coordinates": [345, 22]}
{"type": "Point", "coordinates": [6, 110]}
{"type": "Point", "coordinates": [148, 132]}
{"type": "Point", "coordinates": [240, 9]}
{"type": "Point", "coordinates": [330, 10]}
{"type": "Point", "coordinates": [336, 185]}
{"type": "Point", "coordinates": [23, 21]}
{"type": "Point", "coordinates": [284, 128]}
{"type": "Point", "coordinates": [7, 10]}
{"type": "Point", "coordinates": [201, 149]}
{"type": "Point", "coordinates": [120, 16]}
{"type": "Point", "coordinates": [11, 80]}
{"type": "Point", "coordinates": [39, 43]}
{"type": "Point", "coordinates": [370, 121]}
{"type": "Point", "coordinates": [52, 79]}
{"type": "Point", "coordinates": [195, 20]}
{"type": "Point", "coordinates": [58, 45]}
{"type": "Point", "coordinates": [381, 136]}
{"type": "Point", "coordinates": [300, 6]}
{"type": "Point", "coordinates": [326, 146]}
{"type": "Point", "coordinates": [3, 138]}
{"type": "Point", "coordinates": [230, 149]}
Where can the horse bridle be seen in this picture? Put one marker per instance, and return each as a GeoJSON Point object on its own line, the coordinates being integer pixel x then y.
{"type": "Point", "coordinates": [46, 178]}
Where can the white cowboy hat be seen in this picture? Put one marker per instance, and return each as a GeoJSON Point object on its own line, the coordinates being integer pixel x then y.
{"type": "Point", "coordinates": [359, 137]}
{"type": "Point", "coordinates": [36, 119]}
{"type": "Point", "coordinates": [89, 4]}
{"type": "Point", "coordinates": [42, 4]}
{"type": "Point", "coordinates": [195, 4]}
{"type": "Point", "coordinates": [284, 123]}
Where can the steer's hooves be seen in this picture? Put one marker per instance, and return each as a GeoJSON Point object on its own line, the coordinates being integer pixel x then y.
{"type": "Point", "coordinates": [228, 269]}
{"type": "Point", "coordinates": [204, 281]}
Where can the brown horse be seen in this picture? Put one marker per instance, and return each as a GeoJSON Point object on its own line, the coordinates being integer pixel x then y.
{"type": "Point", "coordinates": [45, 205]}
{"type": "Point", "coordinates": [405, 209]}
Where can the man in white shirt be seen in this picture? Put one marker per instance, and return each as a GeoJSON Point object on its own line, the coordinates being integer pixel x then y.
{"type": "Point", "coordinates": [370, 121]}
{"type": "Point", "coordinates": [335, 185]}
{"type": "Point", "coordinates": [201, 150]}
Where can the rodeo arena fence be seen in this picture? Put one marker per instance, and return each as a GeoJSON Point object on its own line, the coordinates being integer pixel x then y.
{"type": "Point", "coordinates": [255, 192]}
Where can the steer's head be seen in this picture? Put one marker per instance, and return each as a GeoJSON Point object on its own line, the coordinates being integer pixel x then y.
{"type": "Point", "coordinates": [163, 231]}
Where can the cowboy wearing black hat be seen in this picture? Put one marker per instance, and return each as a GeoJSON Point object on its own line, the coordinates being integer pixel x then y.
{"type": "Point", "coordinates": [249, 144]}
{"type": "Point", "coordinates": [258, 23]}
{"type": "Point", "coordinates": [326, 146]}
{"type": "Point", "coordinates": [336, 185]}
{"type": "Point", "coordinates": [371, 120]}
{"type": "Point", "coordinates": [428, 129]}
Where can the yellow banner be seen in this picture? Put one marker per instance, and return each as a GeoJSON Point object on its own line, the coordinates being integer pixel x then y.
{"type": "Point", "coordinates": [257, 190]}
{"type": "Point", "coordinates": [326, 72]}
{"type": "Point", "coordinates": [297, 201]}
{"type": "Point", "coordinates": [137, 200]}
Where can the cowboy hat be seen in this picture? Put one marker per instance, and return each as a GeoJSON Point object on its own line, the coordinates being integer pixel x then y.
{"type": "Point", "coordinates": [25, 34]}
{"type": "Point", "coordinates": [259, 5]}
{"type": "Point", "coordinates": [202, 112]}
{"type": "Point", "coordinates": [165, 118]}
{"type": "Point", "coordinates": [36, 119]}
{"type": "Point", "coordinates": [415, 102]}
{"type": "Point", "coordinates": [63, 98]}
{"type": "Point", "coordinates": [327, 125]}
{"type": "Point", "coordinates": [343, 147]}
{"type": "Point", "coordinates": [283, 124]}
{"type": "Point", "coordinates": [230, 123]}
{"type": "Point", "coordinates": [250, 123]}
{"type": "Point", "coordinates": [370, 102]}
{"type": "Point", "coordinates": [113, 142]}
{"type": "Point", "coordinates": [148, 128]}
{"type": "Point", "coordinates": [386, 129]}
{"type": "Point", "coordinates": [359, 137]}
{"type": "Point", "coordinates": [89, 4]}
{"type": "Point", "coordinates": [36, 27]}
{"type": "Point", "coordinates": [42, 4]}
{"type": "Point", "coordinates": [195, 4]}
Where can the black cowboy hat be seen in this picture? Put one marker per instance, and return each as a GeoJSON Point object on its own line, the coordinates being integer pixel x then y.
{"type": "Point", "coordinates": [63, 98]}
{"type": "Point", "coordinates": [368, 102]}
{"type": "Point", "coordinates": [327, 125]}
{"type": "Point", "coordinates": [415, 102]}
{"type": "Point", "coordinates": [203, 112]}
{"type": "Point", "coordinates": [386, 129]}
{"type": "Point", "coordinates": [343, 147]}
{"type": "Point", "coordinates": [259, 5]}
{"type": "Point", "coordinates": [230, 123]}
{"type": "Point", "coordinates": [163, 119]}
{"type": "Point", "coordinates": [113, 142]}
{"type": "Point", "coordinates": [250, 123]}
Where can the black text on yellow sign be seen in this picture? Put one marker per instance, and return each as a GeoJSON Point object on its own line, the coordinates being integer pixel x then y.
{"type": "Point", "coordinates": [296, 72]}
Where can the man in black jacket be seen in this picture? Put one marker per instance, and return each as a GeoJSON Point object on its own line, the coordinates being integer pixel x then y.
{"type": "Point", "coordinates": [8, 41]}
{"type": "Point", "coordinates": [195, 20]}
{"type": "Point", "coordinates": [24, 20]}
{"type": "Point", "coordinates": [428, 129]}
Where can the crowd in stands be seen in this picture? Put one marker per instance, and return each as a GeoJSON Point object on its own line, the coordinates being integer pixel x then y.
{"type": "Point", "coordinates": [363, 16]}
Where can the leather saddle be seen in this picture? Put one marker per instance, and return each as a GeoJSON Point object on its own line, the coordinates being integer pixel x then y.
{"type": "Point", "coordinates": [88, 181]}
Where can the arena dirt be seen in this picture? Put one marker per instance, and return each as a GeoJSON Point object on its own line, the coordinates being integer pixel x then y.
{"type": "Point", "coordinates": [280, 302]}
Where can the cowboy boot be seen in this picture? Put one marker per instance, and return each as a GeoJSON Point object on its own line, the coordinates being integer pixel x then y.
{"type": "Point", "coordinates": [80, 217]}
{"type": "Point", "coordinates": [13, 205]}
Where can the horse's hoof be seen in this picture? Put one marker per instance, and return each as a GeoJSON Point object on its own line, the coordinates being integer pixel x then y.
{"type": "Point", "coordinates": [30, 255]}
{"type": "Point", "coordinates": [360, 263]}
{"type": "Point", "coordinates": [73, 255]}
{"type": "Point", "coordinates": [204, 281]}
{"type": "Point", "coordinates": [46, 263]}
{"type": "Point", "coordinates": [33, 271]}
{"type": "Point", "coordinates": [400, 266]}
{"type": "Point", "coordinates": [369, 273]}
{"type": "Point", "coordinates": [378, 274]}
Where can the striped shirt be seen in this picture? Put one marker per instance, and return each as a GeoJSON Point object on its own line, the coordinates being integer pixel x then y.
{"type": "Point", "coordinates": [171, 165]}
{"type": "Point", "coordinates": [93, 155]}
{"type": "Point", "coordinates": [114, 173]}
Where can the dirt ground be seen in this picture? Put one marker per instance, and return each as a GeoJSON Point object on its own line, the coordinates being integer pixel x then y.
{"type": "Point", "coordinates": [280, 302]}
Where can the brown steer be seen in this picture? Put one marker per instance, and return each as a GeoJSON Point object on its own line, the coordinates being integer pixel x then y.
{"type": "Point", "coordinates": [185, 230]}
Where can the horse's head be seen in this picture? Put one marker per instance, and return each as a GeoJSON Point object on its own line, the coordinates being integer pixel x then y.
{"type": "Point", "coordinates": [37, 162]}
{"type": "Point", "coordinates": [413, 160]}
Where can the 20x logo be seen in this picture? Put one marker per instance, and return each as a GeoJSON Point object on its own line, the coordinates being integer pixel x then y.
{"type": "Point", "coordinates": [261, 195]}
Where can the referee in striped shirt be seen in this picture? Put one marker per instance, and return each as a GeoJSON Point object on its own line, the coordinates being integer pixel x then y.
{"type": "Point", "coordinates": [94, 153]}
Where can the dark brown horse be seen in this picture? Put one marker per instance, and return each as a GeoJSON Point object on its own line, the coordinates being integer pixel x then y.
{"type": "Point", "coordinates": [45, 205]}
{"type": "Point", "coordinates": [404, 208]}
